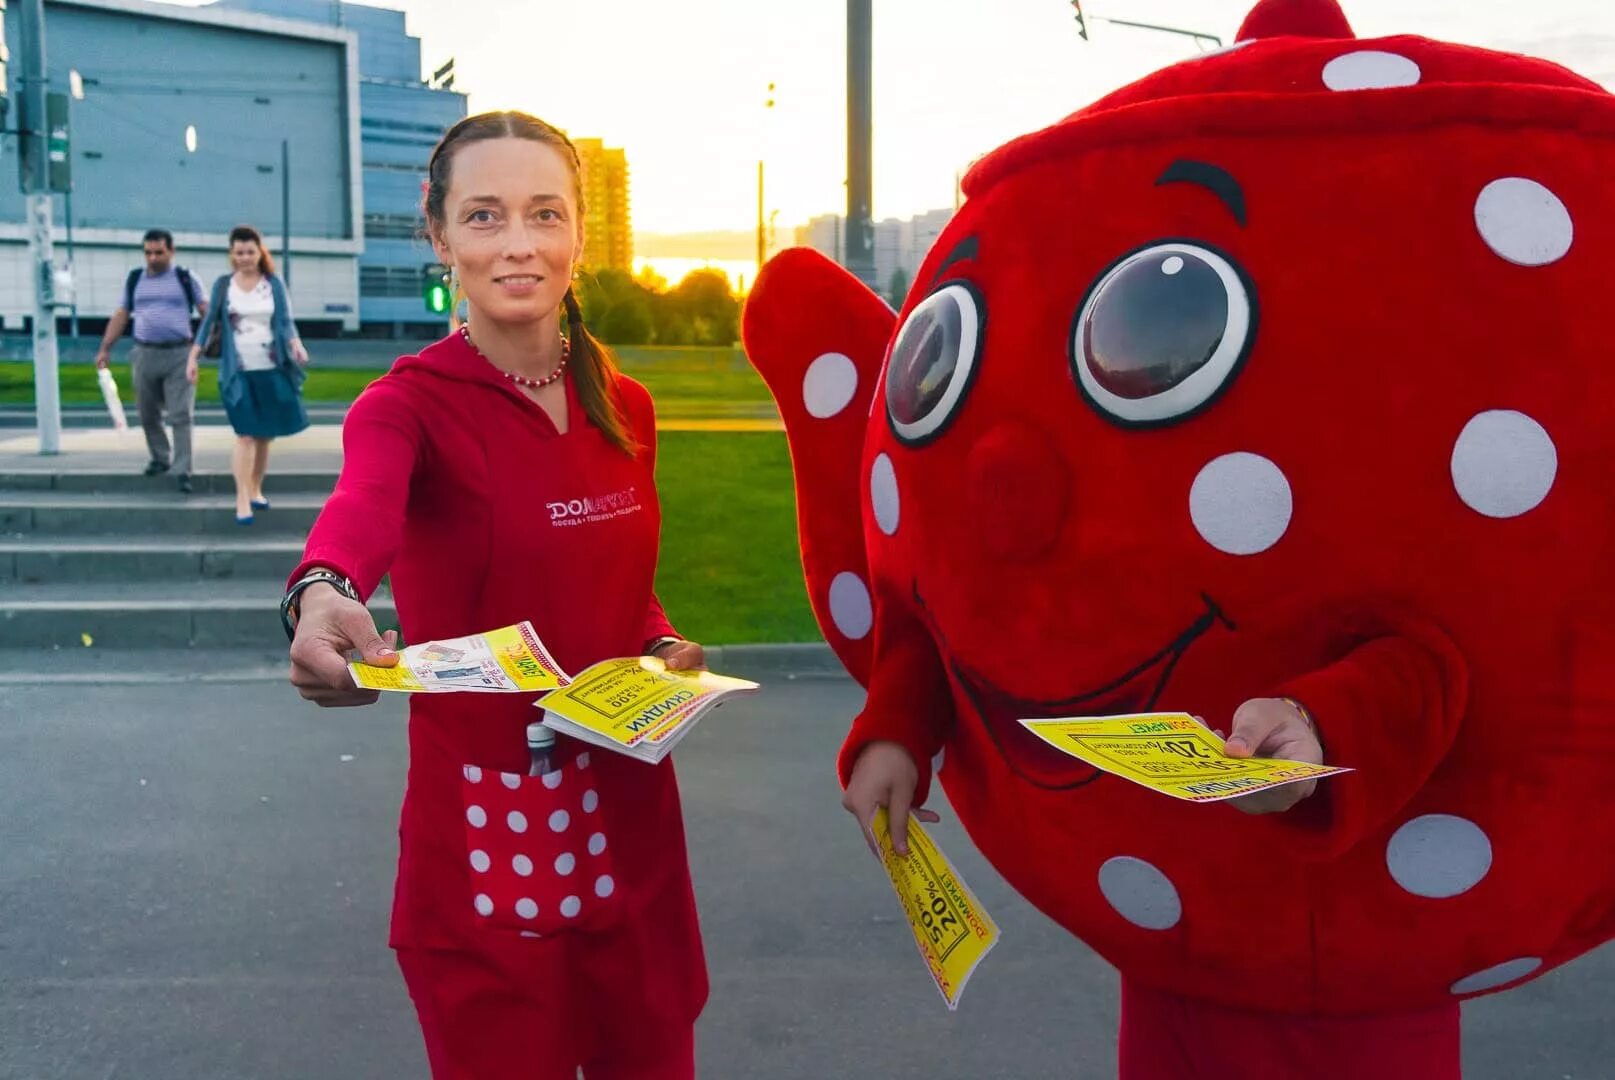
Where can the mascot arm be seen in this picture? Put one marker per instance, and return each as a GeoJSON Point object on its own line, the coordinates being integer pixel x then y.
{"type": "Point", "coordinates": [1390, 709]}
{"type": "Point", "coordinates": [909, 700]}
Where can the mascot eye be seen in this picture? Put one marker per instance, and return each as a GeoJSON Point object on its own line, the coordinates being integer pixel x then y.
{"type": "Point", "coordinates": [1162, 332]}
{"type": "Point", "coordinates": [934, 361]}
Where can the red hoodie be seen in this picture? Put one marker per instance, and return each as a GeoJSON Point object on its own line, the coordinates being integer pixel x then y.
{"type": "Point", "coordinates": [461, 488]}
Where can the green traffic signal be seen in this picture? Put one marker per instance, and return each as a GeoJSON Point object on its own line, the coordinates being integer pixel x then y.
{"type": "Point", "coordinates": [435, 288]}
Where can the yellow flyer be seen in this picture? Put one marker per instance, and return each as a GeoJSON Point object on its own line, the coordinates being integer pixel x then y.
{"type": "Point", "coordinates": [1172, 753]}
{"type": "Point", "coordinates": [950, 926]}
{"type": "Point", "coordinates": [635, 705]}
{"type": "Point", "coordinates": [509, 660]}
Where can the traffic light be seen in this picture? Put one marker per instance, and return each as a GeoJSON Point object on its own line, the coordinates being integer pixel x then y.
{"type": "Point", "coordinates": [435, 288]}
{"type": "Point", "coordinates": [1082, 23]}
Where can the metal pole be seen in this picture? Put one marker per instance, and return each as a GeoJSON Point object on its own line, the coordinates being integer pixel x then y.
{"type": "Point", "coordinates": [72, 268]}
{"type": "Point", "coordinates": [286, 212]}
{"type": "Point", "coordinates": [36, 185]}
{"type": "Point", "coordinates": [860, 124]}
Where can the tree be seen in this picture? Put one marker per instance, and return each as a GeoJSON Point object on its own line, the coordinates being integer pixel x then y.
{"type": "Point", "coordinates": [897, 288]}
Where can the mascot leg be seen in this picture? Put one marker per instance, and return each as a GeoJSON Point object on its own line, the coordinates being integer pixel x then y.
{"type": "Point", "coordinates": [1167, 1037]}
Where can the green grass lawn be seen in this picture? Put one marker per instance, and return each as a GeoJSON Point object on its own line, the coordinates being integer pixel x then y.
{"type": "Point", "coordinates": [730, 570]}
{"type": "Point", "coordinates": [684, 382]}
{"type": "Point", "coordinates": [730, 567]}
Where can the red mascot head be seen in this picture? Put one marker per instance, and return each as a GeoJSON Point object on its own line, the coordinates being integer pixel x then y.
{"type": "Point", "coordinates": [1283, 371]}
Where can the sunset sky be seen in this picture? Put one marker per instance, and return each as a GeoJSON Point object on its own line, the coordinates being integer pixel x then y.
{"type": "Point", "coordinates": [681, 86]}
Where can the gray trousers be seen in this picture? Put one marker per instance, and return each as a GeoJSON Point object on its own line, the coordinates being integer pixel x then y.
{"type": "Point", "coordinates": [158, 372]}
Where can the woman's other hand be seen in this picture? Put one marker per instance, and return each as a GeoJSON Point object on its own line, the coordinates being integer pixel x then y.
{"type": "Point", "coordinates": [681, 655]}
{"type": "Point", "coordinates": [330, 628]}
{"type": "Point", "coordinates": [299, 353]}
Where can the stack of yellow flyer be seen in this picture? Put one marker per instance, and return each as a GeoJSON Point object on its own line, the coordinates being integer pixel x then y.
{"type": "Point", "coordinates": [951, 928]}
{"type": "Point", "coordinates": [636, 706]}
{"type": "Point", "coordinates": [510, 660]}
{"type": "Point", "coordinates": [1172, 753]}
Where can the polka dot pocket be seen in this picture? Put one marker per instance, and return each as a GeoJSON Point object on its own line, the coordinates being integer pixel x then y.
{"type": "Point", "coordinates": [539, 861]}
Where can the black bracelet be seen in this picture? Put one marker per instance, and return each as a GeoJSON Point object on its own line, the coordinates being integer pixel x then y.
{"type": "Point", "coordinates": [656, 643]}
{"type": "Point", "coordinates": [289, 606]}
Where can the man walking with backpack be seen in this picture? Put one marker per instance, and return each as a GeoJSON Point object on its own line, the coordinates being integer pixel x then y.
{"type": "Point", "coordinates": [159, 299]}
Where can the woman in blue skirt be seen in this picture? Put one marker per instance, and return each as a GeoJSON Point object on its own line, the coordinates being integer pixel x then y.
{"type": "Point", "coordinates": [261, 362]}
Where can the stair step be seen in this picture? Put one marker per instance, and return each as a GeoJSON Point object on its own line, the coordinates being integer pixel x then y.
{"type": "Point", "coordinates": [151, 615]}
{"type": "Point", "coordinates": [166, 512]}
{"type": "Point", "coordinates": [37, 559]}
{"type": "Point", "coordinates": [205, 483]}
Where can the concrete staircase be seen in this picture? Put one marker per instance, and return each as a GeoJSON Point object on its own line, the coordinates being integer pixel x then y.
{"type": "Point", "coordinates": [131, 564]}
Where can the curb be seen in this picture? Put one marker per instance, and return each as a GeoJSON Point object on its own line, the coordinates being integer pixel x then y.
{"type": "Point", "coordinates": [134, 667]}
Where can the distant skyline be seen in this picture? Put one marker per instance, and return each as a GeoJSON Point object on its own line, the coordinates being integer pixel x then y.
{"type": "Point", "coordinates": [681, 87]}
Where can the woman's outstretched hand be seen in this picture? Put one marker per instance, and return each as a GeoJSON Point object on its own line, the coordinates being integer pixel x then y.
{"type": "Point", "coordinates": [331, 631]}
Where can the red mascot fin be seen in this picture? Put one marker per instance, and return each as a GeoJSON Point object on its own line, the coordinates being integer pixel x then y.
{"type": "Point", "coordinates": [818, 336]}
{"type": "Point", "coordinates": [1295, 18]}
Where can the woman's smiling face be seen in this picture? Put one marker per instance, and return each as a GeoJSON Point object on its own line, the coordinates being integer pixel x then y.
{"type": "Point", "coordinates": [511, 228]}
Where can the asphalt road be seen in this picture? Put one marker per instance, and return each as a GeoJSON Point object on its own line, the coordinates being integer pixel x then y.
{"type": "Point", "coordinates": [194, 883]}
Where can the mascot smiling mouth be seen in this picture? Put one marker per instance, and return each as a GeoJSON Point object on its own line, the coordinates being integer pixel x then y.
{"type": "Point", "coordinates": [1028, 756]}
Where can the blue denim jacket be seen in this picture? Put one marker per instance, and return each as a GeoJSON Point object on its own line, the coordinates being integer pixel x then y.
{"type": "Point", "coordinates": [230, 386]}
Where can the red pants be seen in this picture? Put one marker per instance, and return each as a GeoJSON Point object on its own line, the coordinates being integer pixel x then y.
{"type": "Point", "coordinates": [1166, 1037]}
{"type": "Point", "coordinates": [481, 1027]}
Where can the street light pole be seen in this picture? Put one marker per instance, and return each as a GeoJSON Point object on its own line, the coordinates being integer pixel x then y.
{"type": "Point", "coordinates": [286, 211]}
{"type": "Point", "coordinates": [36, 186]}
{"type": "Point", "coordinates": [860, 124]}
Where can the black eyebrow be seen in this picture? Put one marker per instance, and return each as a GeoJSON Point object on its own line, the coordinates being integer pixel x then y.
{"type": "Point", "coordinates": [1219, 181]}
{"type": "Point", "coordinates": [967, 248]}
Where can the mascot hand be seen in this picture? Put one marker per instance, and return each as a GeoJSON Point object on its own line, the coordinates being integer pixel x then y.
{"type": "Point", "coordinates": [885, 775]}
{"type": "Point", "coordinates": [1276, 728]}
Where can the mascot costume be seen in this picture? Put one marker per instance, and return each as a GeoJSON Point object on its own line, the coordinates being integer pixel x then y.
{"type": "Point", "coordinates": [1282, 372]}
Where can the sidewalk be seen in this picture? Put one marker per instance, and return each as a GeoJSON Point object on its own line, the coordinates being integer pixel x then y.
{"type": "Point", "coordinates": [100, 450]}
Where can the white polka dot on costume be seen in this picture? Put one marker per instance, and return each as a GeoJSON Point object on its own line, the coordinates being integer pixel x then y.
{"type": "Point", "coordinates": [1438, 855]}
{"type": "Point", "coordinates": [1140, 893]}
{"type": "Point", "coordinates": [484, 904]}
{"type": "Point", "coordinates": [477, 816]}
{"type": "Point", "coordinates": [583, 760]}
{"type": "Point", "coordinates": [597, 843]}
{"type": "Point", "coordinates": [571, 906]}
{"type": "Point", "coordinates": [604, 886]}
{"type": "Point", "coordinates": [473, 774]}
{"type": "Point", "coordinates": [1503, 463]}
{"type": "Point", "coordinates": [565, 863]}
{"type": "Point", "coordinates": [1496, 976]}
{"type": "Point", "coordinates": [480, 861]}
{"type": "Point", "coordinates": [1370, 69]}
{"type": "Point", "coordinates": [522, 865]}
{"type": "Point", "coordinates": [510, 780]}
{"type": "Point", "coordinates": [883, 494]}
{"type": "Point", "coordinates": [517, 821]}
{"type": "Point", "coordinates": [559, 821]}
{"type": "Point", "coordinates": [1172, 265]}
{"type": "Point", "coordinates": [1241, 503]}
{"type": "Point", "coordinates": [1523, 222]}
{"type": "Point", "coordinates": [552, 779]}
{"type": "Point", "coordinates": [829, 384]}
{"type": "Point", "coordinates": [531, 933]}
{"type": "Point", "coordinates": [591, 801]}
{"type": "Point", "coordinates": [526, 908]}
{"type": "Point", "coordinates": [850, 606]}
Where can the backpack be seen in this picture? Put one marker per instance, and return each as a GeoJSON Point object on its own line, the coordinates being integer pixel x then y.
{"type": "Point", "coordinates": [186, 282]}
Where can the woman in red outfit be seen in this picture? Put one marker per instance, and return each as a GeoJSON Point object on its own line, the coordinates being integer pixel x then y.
{"type": "Point", "coordinates": [507, 473]}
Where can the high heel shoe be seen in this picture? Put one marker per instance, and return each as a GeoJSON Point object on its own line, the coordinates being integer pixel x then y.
{"type": "Point", "coordinates": [260, 504]}
{"type": "Point", "coordinates": [243, 520]}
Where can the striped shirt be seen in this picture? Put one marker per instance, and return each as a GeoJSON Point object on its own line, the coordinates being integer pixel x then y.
{"type": "Point", "coordinates": [162, 311]}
